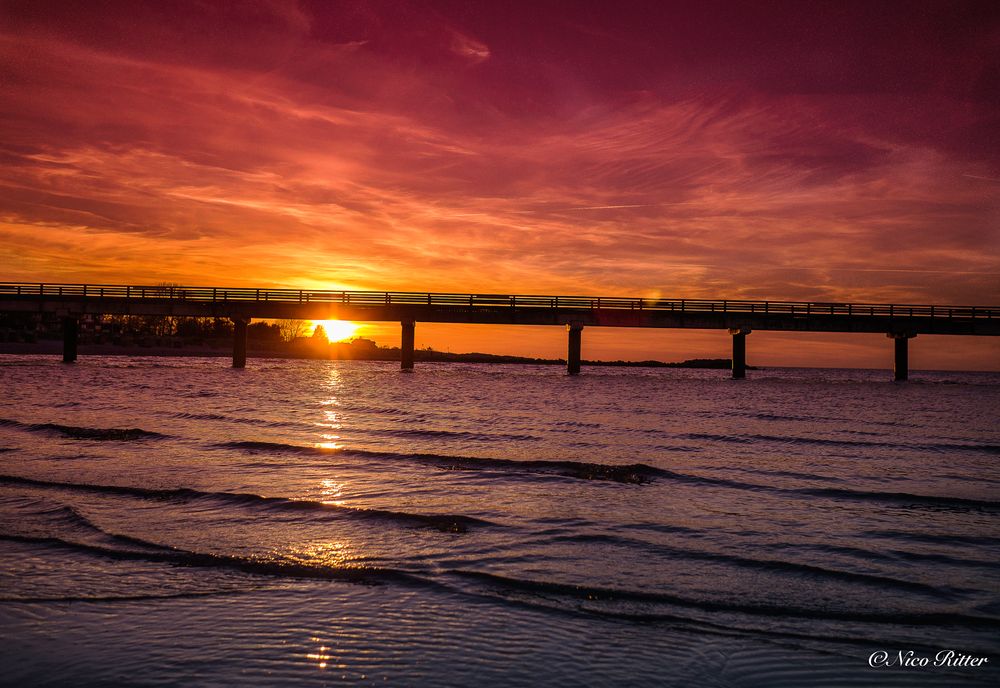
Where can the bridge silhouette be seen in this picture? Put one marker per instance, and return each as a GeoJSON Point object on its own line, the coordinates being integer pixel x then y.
{"type": "Point", "coordinates": [900, 322]}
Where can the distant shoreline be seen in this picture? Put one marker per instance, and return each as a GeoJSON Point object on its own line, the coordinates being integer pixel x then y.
{"type": "Point", "coordinates": [54, 348]}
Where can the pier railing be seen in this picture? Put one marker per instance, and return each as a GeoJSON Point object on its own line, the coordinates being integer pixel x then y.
{"type": "Point", "coordinates": [588, 303]}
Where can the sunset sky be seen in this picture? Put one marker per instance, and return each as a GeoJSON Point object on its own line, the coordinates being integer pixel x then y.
{"type": "Point", "coordinates": [799, 151]}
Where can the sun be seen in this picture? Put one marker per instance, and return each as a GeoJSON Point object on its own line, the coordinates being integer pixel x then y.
{"type": "Point", "coordinates": [337, 330]}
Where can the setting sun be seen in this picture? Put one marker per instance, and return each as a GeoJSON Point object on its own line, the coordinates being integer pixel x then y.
{"type": "Point", "coordinates": [337, 330]}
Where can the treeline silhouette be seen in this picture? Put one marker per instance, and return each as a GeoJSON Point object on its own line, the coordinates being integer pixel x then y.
{"type": "Point", "coordinates": [109, 328]}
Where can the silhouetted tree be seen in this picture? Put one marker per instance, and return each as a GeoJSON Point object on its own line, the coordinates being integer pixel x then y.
{"type": "Point", "coordinates": [290, 329]}
{"type": "Point", "coordinates": [264, 332]}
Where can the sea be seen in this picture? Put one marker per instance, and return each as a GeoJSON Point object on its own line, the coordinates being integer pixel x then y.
{"type": "Point", "coordinates": [176, 522]}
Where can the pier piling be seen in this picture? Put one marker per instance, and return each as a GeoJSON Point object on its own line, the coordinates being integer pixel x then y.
{"type": "Point", "coordinates": [70, 327]}
{"type": "Point", "coordinates": [575, 330]}
{"type": "Point", "coordinates": [406, 345]}
{"type": "Point", "coordinates": [739, 351]}
{"type": "Point", "coordinates": [240, 342]}
{"type": "Point", "coordinates": [901, 357]}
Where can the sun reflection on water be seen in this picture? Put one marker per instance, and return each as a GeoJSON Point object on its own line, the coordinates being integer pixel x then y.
{"type": "Point", "coordinates": [331, 418]}
{"type": "Point", "coordinates": [320, 656]}
{"type": "Point", "coordinates": [330, 442]}
{"type": "Point", "coordinates": [333, 554]}
{"type": "Point", "coordinates": [331, 491]}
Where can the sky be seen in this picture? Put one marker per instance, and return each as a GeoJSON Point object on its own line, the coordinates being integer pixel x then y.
{"type": "Point", "coordinates": [767, 150]}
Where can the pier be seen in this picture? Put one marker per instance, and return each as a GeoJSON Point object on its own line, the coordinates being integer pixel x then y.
{"type": "Point", "coordinates": [738, 318]}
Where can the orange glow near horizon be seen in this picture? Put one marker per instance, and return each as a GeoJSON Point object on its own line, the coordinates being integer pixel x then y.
{"type": "Point", "coordinates": [337, 330]}
{"type": "Point", "coordinates": [320, 145]}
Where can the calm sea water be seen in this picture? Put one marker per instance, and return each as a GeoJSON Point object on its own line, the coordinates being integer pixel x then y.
{"type": "Point", "coordinates": [174, 521]}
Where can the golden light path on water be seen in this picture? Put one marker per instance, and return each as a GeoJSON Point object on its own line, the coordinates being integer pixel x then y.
{"type": "Point", "coordinates": [331, 424]}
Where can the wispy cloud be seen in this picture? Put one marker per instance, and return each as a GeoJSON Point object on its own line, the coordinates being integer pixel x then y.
{"type": "Point", "coordinates": [323, 146]}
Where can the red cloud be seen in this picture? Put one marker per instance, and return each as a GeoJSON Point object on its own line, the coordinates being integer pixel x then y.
{"type": "Point", "coordinates": [419, 148]}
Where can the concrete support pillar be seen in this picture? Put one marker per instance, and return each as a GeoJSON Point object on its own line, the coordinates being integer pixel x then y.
{"type": "Point", "coordinates": [901, 357]}
{"type": "Point", "coordinates": [240, 342]}
{"type": "Point", "coordinates": [739, 351]}
{"type": "Point", "coordinates": [573, 355]}
{"type": "Point", "coordinates": [70, 327]}
{"type": "Point", "coordinates": [406, 345]}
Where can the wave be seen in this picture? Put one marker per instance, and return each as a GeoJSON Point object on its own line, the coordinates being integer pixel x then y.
{"type": "Point", "coordinates": [636, 473]}
{"type": "Point", "coordinates": [901, 498]}
{"type": "Point", "coordinates": [125, 598]}
{"type": "Point", "coordinates": [592, 596]}
{"type": "Point", "coordinates": [780, 566]}
{"type": "Point", "coordinates": [567, 597]}
{"type": "Point", "coordinates": [451, 523]}
{"type": "Point", "coordinates": [937, 538]}
{"type": "Point", "coordinates": [785, 474]}
{"type": "Point", "coordinates": [939, 447]}
{"type": "Point", "coordinates": [451, 434]}
{"type": "Point", "coordinates": [182, 415]}
{"type": "Point", "coordinates": [63, 514]}
{"type": "Point", "coordinates": [253, 565]}
{"type": "Point", "coordinates": [84, 433]}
